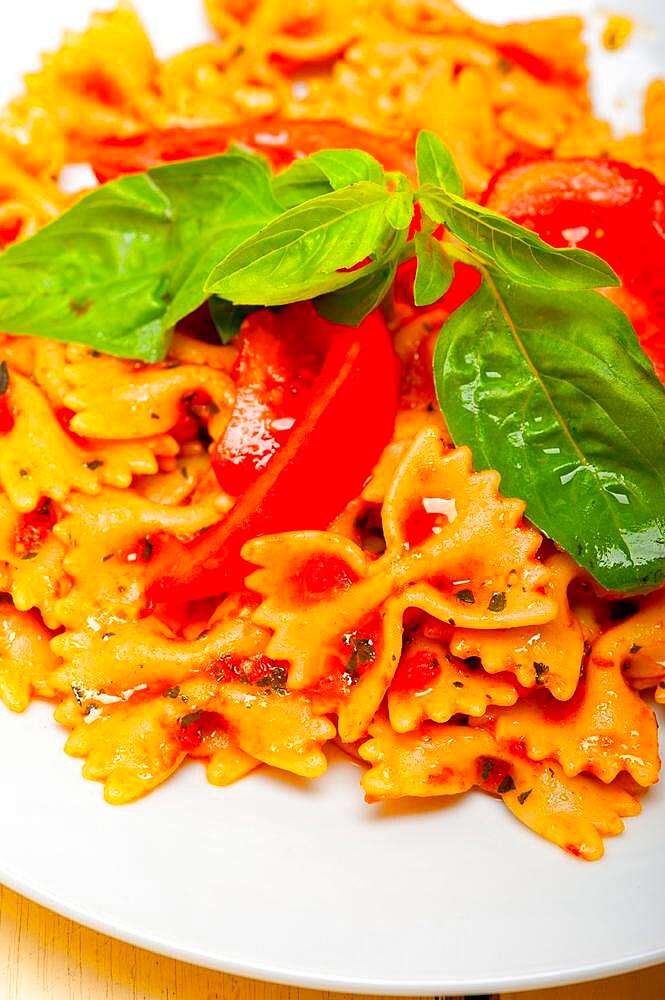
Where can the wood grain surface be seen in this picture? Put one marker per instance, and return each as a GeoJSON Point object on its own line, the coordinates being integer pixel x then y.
{"type": "Point", "coordinates": [45, 956]}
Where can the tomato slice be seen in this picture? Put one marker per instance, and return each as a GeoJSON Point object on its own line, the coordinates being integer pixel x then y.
{"type": "Point", "coordinates": [280, 355]}
{"type": "Point", "coordinates": [281, 141]}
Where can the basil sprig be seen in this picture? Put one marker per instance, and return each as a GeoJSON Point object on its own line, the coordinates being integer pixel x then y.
{"type": "Point", "coordinates": [120, 268]}
{"type": "Point", "coordinates": [543, 377]}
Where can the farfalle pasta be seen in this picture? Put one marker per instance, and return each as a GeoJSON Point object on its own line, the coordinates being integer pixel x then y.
{"type": "Point", "coordinates": [428, 628]}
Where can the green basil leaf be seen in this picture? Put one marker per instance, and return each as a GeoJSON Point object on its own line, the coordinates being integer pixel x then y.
{"type": "Point", "coordinates": [300, 182]}
{"type": "Point", "coordinates": [323, 172]}
{"type": "Point", "coordinates": [308, 250]}
{"type": "Point", "coordinates": [434, 271]}
{"type": "Point", "coordinates": [435, 164]}
{"type": "Point", "coordinates": [555, 393]}
{"type": "Point", "coordinates": [399, 209]}
{"type": "Point", "coordinates": [519, 253]}
{"type": "Point", "coordinates": [228, 318]}
{"type": "Point", "coordinates": [121, 267]}
{"type": "Point", "coordinates": [348, 166]}
{"type": "Point", "coordinates": [349, 306]}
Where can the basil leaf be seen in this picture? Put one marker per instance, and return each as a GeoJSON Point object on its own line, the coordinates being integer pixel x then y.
{"type": "Point", "coordinates": [556, 394]}
{"type": "Point", "coordinates": [349, 306]}
{"type": "Point", "coordinates": [228, 318]}
{"type": "Point", "coordinates": [300, 182]}
{"type": "Point", "coordinates": [518, 252]}
{"type": "Point", "coordinates": [435, 164]}
{"type": "Point", "coordinates": [434, 271]}
{"type": "Point", "coordinates": [308, 250]}
{"type": "Point", "coordinates": [348, 166]}
{"type": "Point", "coordinates": [399, 209]}
{"type": "Point", "coordinates": [325, 171]}
{"type": "Point", "coordinates": [121, 267]}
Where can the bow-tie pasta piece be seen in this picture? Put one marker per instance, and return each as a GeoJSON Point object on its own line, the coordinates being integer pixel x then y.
{"type": "Point", "coordinates": [432, 684]}
{"type": "Point", "coordinates": [432, 760]}
{"type": "Point", "coordinates": [408, 424]}
{"type": "Point", "coordinates": [26, 660]}
{"type": "Point", "coordinates": [224, 761]}
{"type": "Point", "coordinates": [279, 729]}
{"type": "Point", "coordinates": [604, 729]}
{"type": "Point", "coordinates": [193, 351]}
{"type": "Point", "coordinates": [134, 746]}
{"type": "Point", "coordinates": [574, 813]}
{"type": "Point", "coordinates": [32, 562]}
{"type": "Point", "coordinates": [304, 580]}
{"type": "Point", "coordinates": [638, 644]}
{"type": "Point", "coordinates": [302, 33]}
{"type": "Point", "coordinates": [74, 83]}
{"type": "Point", "coordinates": [145, 400]}
{"type": "Point", "coordinates": [176, 485]}
{"type": "Point", "coordinates": [548, 655]}
{"type": "Point", "coordinates": [449, 526]}
{"type": "Point", "coordinates": [39, 458]}
{"type": "Point", "coordinates": [329, 623]}
{"type": "Point", "coordinates": [108, 546]}
{"type": "Point", "coordinates": [321, 591]}
{"type": "Point", "coordinates": [145, 652]}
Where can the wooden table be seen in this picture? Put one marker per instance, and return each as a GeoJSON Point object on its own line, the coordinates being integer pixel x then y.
{"type": "Point", "coordinates": [47, 957]}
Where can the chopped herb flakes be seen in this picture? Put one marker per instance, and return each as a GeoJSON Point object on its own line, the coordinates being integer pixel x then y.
{"type": "Point", "coordinates": [497, 601]}
{"type": "Point", "coordinates": [487, 768]}
{"type": "Point", "coordinates": [465, 596]}
{"type": "Point", "coordinates": [507, 785]}
{"type": "Point", "coordinates": [171, 692]}
{"type": "Point", "coordinates": [4, 378]}
{"type": "Point", "coordinates": [190, 719]}
{"type": "Point", "coordinates": [523, 796]}
{"type": "Point", "coordinates": [541, 669]}
{"type": "Point", "coordinates": [363, 653]}
{"type": "Point", "coordinates": [96, 463]}
{"type": "Point", "coordinates": [275, 680]}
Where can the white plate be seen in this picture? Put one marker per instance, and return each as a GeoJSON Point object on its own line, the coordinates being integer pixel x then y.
{"type": "Point", "coordinates": [302, 882]}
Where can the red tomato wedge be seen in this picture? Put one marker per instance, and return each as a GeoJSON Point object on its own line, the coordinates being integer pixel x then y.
{"type": "Point", "coordinates": [280, 355]}
{"type": "Point", "coordinates": [610, 208]}
{"type": "Point", "coordinates": [279, 140]}
{"type": "Point", "coordinates": [310, 479]}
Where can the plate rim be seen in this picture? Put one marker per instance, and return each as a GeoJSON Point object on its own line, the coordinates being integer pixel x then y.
{"type": "Point", "coordinates": [289, 976]}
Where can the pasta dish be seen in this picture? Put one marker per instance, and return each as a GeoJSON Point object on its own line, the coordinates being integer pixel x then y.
{"type": "Point", "coordinates": [331, 408]}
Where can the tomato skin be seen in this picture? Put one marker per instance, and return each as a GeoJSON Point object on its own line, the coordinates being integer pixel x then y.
{"type": "Point", "coordinates": [280, 355]}
{"type": "Point", "coordinates": [310, 479]}
{"type": "Point", "coordinates": [605, 206]}
{"type": "Point", "coordinates": [279, 140]}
